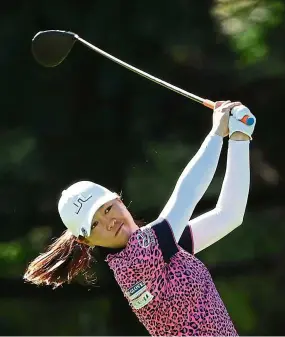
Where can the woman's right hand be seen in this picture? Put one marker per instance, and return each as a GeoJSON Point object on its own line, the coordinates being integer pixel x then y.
{"type": "Point", "coordinates": [221, 116]}
{"type": "Point", "coordinates": [237, 129]}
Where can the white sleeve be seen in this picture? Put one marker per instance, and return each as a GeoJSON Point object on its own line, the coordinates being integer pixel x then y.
{"type": "Point", "coordinates": [192, 184]}
{"type": "Point", "coordinates": [229, 212]}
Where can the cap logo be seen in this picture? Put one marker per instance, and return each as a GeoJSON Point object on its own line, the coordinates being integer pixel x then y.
{"type": "Point", "coordinates": [79, 202]}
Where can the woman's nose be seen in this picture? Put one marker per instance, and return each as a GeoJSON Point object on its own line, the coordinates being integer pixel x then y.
{"type": "Point", "coordinates": [111, 224]}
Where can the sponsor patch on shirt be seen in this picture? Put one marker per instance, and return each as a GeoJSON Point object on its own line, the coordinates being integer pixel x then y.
{"type": "Point", "coordinates": [138, 295]}
{"type": "Point", "coordinates": [142, 300]}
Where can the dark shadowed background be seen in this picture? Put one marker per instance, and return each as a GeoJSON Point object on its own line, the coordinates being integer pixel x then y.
{"type": "Point", "coordinates": [92, 119]}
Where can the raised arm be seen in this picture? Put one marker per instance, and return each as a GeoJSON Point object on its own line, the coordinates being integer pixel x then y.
{"type": "Point", "coordinates": [230, 209]}
{"type": "Point", "coordinates": [210, 227]}
{"type": "Point", "coordinates": [198, 174]}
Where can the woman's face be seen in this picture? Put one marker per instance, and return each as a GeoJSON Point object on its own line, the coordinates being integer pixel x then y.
{"type": "Point", "coordinates": [112, 226]}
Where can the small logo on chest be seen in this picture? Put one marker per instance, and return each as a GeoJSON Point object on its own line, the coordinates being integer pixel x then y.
{"type": "Point", "coordinates": [145, 238]}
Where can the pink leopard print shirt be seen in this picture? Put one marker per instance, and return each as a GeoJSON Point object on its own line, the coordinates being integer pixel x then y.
{"type": "Point", "coordinates": [169, 289]}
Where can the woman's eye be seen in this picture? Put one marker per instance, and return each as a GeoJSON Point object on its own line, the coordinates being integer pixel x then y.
{"type": "Point", "coordinates": [107, 210]}
{"type": "Point", "coordinates": [95, 223]}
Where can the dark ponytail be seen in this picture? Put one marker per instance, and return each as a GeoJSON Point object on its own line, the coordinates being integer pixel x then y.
{"type": "Point", "coordinates": [63, 260]}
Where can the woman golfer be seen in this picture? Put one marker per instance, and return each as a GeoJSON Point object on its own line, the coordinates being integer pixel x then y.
{"type": "Point", "coordinates": [167, 287]}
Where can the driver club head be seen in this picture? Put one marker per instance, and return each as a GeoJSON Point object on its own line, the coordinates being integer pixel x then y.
{"type": "Point", "coordinates": [51, 47]}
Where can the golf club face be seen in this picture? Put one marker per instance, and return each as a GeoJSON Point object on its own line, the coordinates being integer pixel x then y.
{"type": "Point", "coordinates": [51, 47]}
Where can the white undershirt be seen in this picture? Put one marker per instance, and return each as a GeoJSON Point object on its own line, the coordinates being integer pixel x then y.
{"type": "Point", "coordinates": [228, 214]}
{"type": "Point", "coordinates": [193, 183]}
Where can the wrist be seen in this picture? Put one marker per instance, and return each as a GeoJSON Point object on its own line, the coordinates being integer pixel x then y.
{"type": "Point", "coordinates": [216, 131]}
{"type": "Point", "coordinates": [215, 134]}
{"type": "Point", "coordinates": [239, 136]}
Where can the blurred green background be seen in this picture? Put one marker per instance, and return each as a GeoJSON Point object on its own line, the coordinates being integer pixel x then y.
{"type": "Point", "coordinates": [92, 119]}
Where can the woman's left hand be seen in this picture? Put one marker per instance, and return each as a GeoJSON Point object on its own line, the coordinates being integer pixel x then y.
{"type": "Point", "coordinates": [221, 117]}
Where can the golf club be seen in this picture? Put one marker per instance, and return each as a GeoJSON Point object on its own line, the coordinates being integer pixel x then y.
{"type": "Point", "coordinates": [51, 47]}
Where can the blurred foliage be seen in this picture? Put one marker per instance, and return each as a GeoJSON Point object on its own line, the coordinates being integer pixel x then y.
{"type": "Point", "coordinates": [91, 119]}
{"type": "Point", "coordinates": [247, 24]}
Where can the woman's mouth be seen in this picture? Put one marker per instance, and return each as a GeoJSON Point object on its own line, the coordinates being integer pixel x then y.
{"type": "Point", "coordinates": [118, 230]}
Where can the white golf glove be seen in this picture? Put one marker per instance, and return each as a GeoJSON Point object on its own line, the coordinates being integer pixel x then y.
{"type": "Point", "coordinates": [235, 125]}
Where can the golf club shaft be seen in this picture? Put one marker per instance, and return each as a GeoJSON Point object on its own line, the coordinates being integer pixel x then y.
{"type": "Point", "coordinates": [206, 102]}
{"type": "Point", "coordinates": [180, 91]}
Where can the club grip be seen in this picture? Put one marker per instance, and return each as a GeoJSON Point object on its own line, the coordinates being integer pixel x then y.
{"type": "Point", "coordinates": [209, 104]}
{"type": "Point", "coordinates": [246, 119]}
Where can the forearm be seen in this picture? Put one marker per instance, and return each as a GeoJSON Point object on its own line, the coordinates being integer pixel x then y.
{"type": "Point", "coordinates": [229, 212]}
{"type": "Point", "coordinates": [235, 189]}
{"type": "Point", "coordinates": [192, 184]}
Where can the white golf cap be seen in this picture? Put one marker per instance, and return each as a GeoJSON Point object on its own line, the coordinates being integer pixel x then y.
{"type": "Point", "coordinates": [78, 204]}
